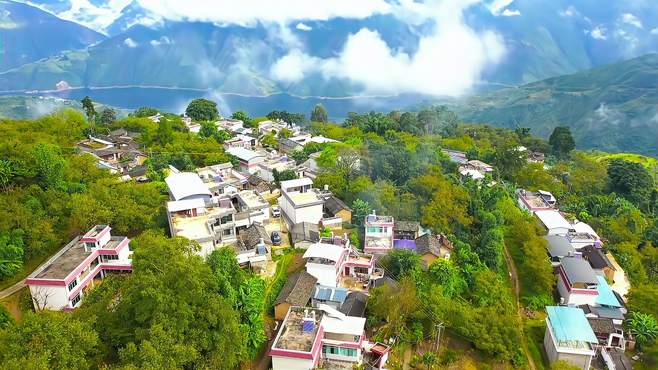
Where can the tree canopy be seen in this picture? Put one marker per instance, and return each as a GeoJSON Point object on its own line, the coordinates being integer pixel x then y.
{"type": "Point", "coordinates": [202, 110]}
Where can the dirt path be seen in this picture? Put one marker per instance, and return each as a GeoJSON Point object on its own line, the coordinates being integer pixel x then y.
{"type": "Point", "coordinates": [12, 289]}
{"type": "Point", "coordinates": [519, 309]}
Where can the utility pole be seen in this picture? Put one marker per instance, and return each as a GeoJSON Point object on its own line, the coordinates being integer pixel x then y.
{"type": "Point", "coordinates": [439, 328]}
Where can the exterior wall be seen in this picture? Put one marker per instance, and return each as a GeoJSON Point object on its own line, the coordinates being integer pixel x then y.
{"type": "Point", "coordinates": [289, 363]}
{"type": "Point", "coordinates": [49, 297]}
{"type": "Point", "coordinates": [345, 215]}
{"type": "Point", "coordinates": [558, 231]}
{"type": "Point", "coordinates": [428, 258]}
{"type": "Point", "coordinates": [581, 361]}
{"type": "Point", "coordinates": [572, 296]}
{"type": "Point", "coordinates": [281, 310]}
{"type": "Point", "coordinates": [577, 359]}
{"type": "Point", "coordinates": [326, 274]}
{"type": "Point", "coordinates": [312, 214]}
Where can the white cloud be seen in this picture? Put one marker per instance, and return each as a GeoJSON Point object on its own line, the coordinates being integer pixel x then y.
{"type": "Point", "coordinates": [92, 16]}
{"type": "Point", "coordinates": [510, 13]}
{"type": "Point", "coordinates": [164, 40]}
{"type": "Point", "coordinates": [570, 11]}
{"type": "Point", "coordinates": [654, 31]}
{"type": "Point", "coordinates": [130, 43]}
{"type": "Point", "coordinates": [449, 61]}
{"type": "Point", "coordinates": [303, 27]}
{"type": "Point", "coordinates": [631, 19]}
{"type": "Point", "coordinates": [599, 33]}
{"type": "Point", "coordinates": [249, 12]}
{"type": "Point", "coordinates": [497, 7]}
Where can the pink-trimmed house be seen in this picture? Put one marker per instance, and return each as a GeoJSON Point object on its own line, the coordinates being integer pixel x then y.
{"type": "Point", "coordinates": [333, 258]}
{"type": "Point", "coordinates": [310, 337]}
{"type": "Point", "coordinates": [60, 282]}
{"type": "Point", "coordinates": [378, 233]}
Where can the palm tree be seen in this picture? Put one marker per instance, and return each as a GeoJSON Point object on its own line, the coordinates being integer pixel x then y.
{"type": "Point", "coordinates": [644, 327]}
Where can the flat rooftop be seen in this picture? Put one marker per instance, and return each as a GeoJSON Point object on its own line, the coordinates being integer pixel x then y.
{"type": "Point", "coordinates": [196, 227]}
{"type": "Point", "coordinates": [251, 199]}
{"type": "Point", "coordinates": [378, 242]}
{"type": "Point", "coordinates": [371, 219]}
{"type": "Point", "coordinates": [534, 200]}
{"type": "Point", "coordinates": [292, 336]}
{"type": "Point", "coordinates": [304, 198]}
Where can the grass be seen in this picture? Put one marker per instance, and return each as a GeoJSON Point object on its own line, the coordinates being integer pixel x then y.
{"type": "Point", "coordinates": [29, 266]}
{"type": "Point", "coordinates": [534, 332]}
{"type": "Point", "coordinates": [650, 163]}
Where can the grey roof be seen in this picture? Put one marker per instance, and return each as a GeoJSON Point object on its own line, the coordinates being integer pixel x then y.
{"type": "Point", "coordinates": [384, 281]}
{"type": "Point", "coordinates": [334, 205]}
{"type": "Point", "coordinates": [559, 246]}
{"type": "Point", "coordinates": [607, 312]}
{"type": "Point", "coordinates": [596, 258]}
{"type": "Point", "coordinates": [432, 244]}
{"type": "Point", "coordinates": [406, 226]}
{"type": "Point", "coordinates": [298, 290]}
{"type": "Point", "coordinates": [305, 231]}
{"type": "Point", "coordinates": [355, 304]}
{"type": "Point", "coordinates": [601, 325]}
{"type": "Point", "coordinates": [251, 236]}
{"type": "Point", "coordinates": [579, 271]}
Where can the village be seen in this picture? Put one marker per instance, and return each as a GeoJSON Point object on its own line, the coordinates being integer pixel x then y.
{"type": "Point", "coordinates": [320, 312]}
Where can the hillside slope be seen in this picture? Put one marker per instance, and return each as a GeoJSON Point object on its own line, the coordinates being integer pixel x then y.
{"type": "Point", "coordinates": [28, 34]}
{"type": "Point", "coordinates": [613, 108]}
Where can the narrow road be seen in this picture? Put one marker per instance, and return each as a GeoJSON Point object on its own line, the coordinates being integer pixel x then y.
{"type": "Point", "coordinates": [519, 309]}
{"type": "Point", "coordinates": [12, 289]}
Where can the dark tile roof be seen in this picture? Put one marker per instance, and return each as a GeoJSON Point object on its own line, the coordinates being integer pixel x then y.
{"type": "Point", "coordinates": [602, 325]}
{"type": "Point", "coordinates": [334, 205]}
{"type": "Point", "coordinates": [250, 237]}
{"type": "Point", "coordinates": [432, 244]}
{"type": "Point", "coordinates": [305, 231]}
{"type": "Point", "coordinates": [298, 290]}
{"type": "Point", "coordinates": [406, 226]}
{"type": "Point", "coordinates": [596, 258]}
{"type": "Point", "coordinates": [383, 281]}
{"type": "Point", "coordinates": [355, 304]}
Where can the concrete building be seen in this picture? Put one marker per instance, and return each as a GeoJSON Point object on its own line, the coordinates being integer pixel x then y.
{"type": "Point", "coordinates": [300, 202]}
{"type": "Point", "coordinates": [569, 337]}
{"type": "Point", "coordinates": [249, 159]}
{"type": "Point", "coordinates": [297, 291]}
{"type": "Point", "coordinates": [378, 233]}
{"type": "Point", "coordinates": [313, 337]}
{"type": "Point", "coordinates": [222, 179]}
{"type": "Point", "coordinates": [554, 222]}
{"type": "Point", "coordinates": [535, 201]}
{"type": "Point", "coordinates": [61, 282]}
{"type": "Point", "coordinates": [334, 263]}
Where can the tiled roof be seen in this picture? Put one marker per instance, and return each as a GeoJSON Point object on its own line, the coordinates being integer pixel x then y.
{"type": "Point", "coordinates": [355, 304]}
{"type": "Point", "coordinates": [298, 290]}
{"type": "Point", "coordinates": [596, 258]}
{"type": "Point", "coordinates": [334, 205]}
{"type": "Point", "coordinates": [432, 244]}
{"type": "Point", "coordinates": [406, 226]}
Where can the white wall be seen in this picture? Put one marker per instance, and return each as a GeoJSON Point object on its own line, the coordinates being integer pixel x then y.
{"type": "Point", "coordinates": [54, 297]}
{"type": "Point", "coordinates": [104, 239]}
{"type": "Point", "coordinates": [287, 363]}
{"type": "Point", "coordinates": [326, 274]}
{"type": "Point", "coordinates": [312, 214]}
{"type": "Point", "coordinates": [574, 298]}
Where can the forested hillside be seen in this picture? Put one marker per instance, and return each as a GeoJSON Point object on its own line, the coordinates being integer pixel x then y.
{"type": "Point", "coordinates": [177, 310]}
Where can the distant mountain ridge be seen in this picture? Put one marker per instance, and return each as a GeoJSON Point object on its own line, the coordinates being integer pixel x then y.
{"type": "Point", "coordinates": [613, 108]}
{"type": "Point", "coordinates": [28, 34]}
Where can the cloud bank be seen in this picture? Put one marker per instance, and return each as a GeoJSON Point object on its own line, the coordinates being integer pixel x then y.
{"type": "Point", "coordinates": [448, 61]}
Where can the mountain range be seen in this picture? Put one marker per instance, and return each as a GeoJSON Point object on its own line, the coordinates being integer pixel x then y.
{"type": "Point", "coordinates": [612, 108]}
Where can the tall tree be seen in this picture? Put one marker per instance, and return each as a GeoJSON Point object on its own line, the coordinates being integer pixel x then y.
{"type": "Point", "coordinates": [319, 114]}
{"type": "Point", "coordinates": [11, 252]}
{"type": "Point", "coordinates": [50, 166]}
{"type": "Point", "coordinates": [107, 116]}
{"type": "Point", "coordinates": [88, 106]}
{"type": "Point", "coordinates": [632, 181]}
{"type": "Point", "coordinates": [6, 174]}
{"type": "Point", "coordinates": [361, 209]}
{"type": "Point", "coordinates": [208, 129]}
{"type": "Point", "coordinates": [644, 327]}
{"type": "Point", "coordinates": [202, 110]}
{"type": "Point", "coordinates": [561, 141]}
{"type": "Point", "coordinates": [48, 340]}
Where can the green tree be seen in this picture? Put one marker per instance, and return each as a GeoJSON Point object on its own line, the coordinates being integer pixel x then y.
{"type": "Point", "coordinates": [561, 141]}
{"type": "Point", "coordinates": [284, 133]}
{"type": "Point", "coordinates": [269, 140]}
{"type": "Point", "coordinates": [48, 340]}
{"type": "Point", "coordinates": [429, 359]}
{"type": "Point", "coordinates": [644, 327]}
{"type": "Point", "coordinates": [143, 112]}
{"type": "Point", "coordinates": [11, 252]}
{"type": "Point", "coordinates": [5, 317]}
{"type": "Point", "coordinates": [50, 166]}
{"type": "Point", "coordinates": [244, 117]}
{"type": "Point", "coordinates": [402, 262]}
{"type": "Point", "coordinates": [283, 176]}
{"type": "Point", "coordinates": [447, 274]}
{"type": "Point", "coordinates": [222, 136]}
{"type": "Point", "coordinates": [360, 209]}
{"type": "Point", "coordinates": [319, 114]}
{"type": "Point", "coordinates": [202, 110]}
{"type": "Point", "coordinates": [632, 181]}
{"type": "Point", "coordinates": [88, 107]}
{"type": "Point", "coordinates": [165, 132]}
{"type": "Point", "coordinates": [7, 173]}
{"type": "Point", "coordinates": [644, 298]}
{"type": "Point", "coordinates": [107, 116]}
{"type": "Point", "coordinates": [208, 129]}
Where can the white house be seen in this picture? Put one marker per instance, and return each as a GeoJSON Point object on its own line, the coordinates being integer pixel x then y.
{"type": "Point", "coordinates": [310, 337]}
{"type": "Point", "coordinates": [248, 159]}
{"type": "Point", "coordinates": [554, 222]}
{"type": "Point", "coordinates": [60, 282]}
{"type": "Point", "coordinates": [300, 202]}
{"type": "Point", "coordinates": [187, 186]}
{"type": "Point", "coordinates": [378, 233]}
{"type": "Point", "coordinates": [569, 336]}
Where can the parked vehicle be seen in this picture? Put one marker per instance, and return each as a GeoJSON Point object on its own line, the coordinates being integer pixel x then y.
{"type": "Point", "coordinates": [276, 211]}
{"type": "Point", "coordinates": [276, 238]}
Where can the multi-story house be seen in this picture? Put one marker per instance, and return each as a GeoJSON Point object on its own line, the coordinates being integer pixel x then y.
{"type": "Point", "coordinates": [61, 282]}
{"type": "Point", "coordinates": [378, 233]}
{"type": "Point", "coordinates": [249, 159]}
{"type": "Point", "coordinates": [535, 201]}
{"type": "Point", "coordinates": [300, 202]}
{"type": "Point", "coordinates": [222, 179]}
{"type": "Point", "coordinates": [312, 337]}
{"type": "Point", "coordinates": [334, 263]}
{"type": "Point", "coordinates": [569, 337]}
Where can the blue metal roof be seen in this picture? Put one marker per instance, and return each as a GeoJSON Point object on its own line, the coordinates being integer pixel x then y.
{"type": "Point", "coordinates": [570, 324]}
{"type": "Point", "coordinates": [606, 297]}
{"type": "Point", "coordinates": [332, 294]}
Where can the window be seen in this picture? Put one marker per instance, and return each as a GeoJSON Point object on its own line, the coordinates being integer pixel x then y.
{"type": "Point", "coordinates": [226, 219]}
{"type": "Point", "coordinates": [90, 245]}
{"type": "Point", "coordinates": [227, 232]}
{"type": "Point", "coordinates": [374, 229]}
{"type": "Point", "coordinates": [110, 257]}
{"type": "Point", "coordinates": [339, 351]}
{"type": "Point", "coordinates": [73, 284]}
{"type": "Point", "coordinates": [361, 270]}
{"type": "Point", "coordinates": [75, 300]}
